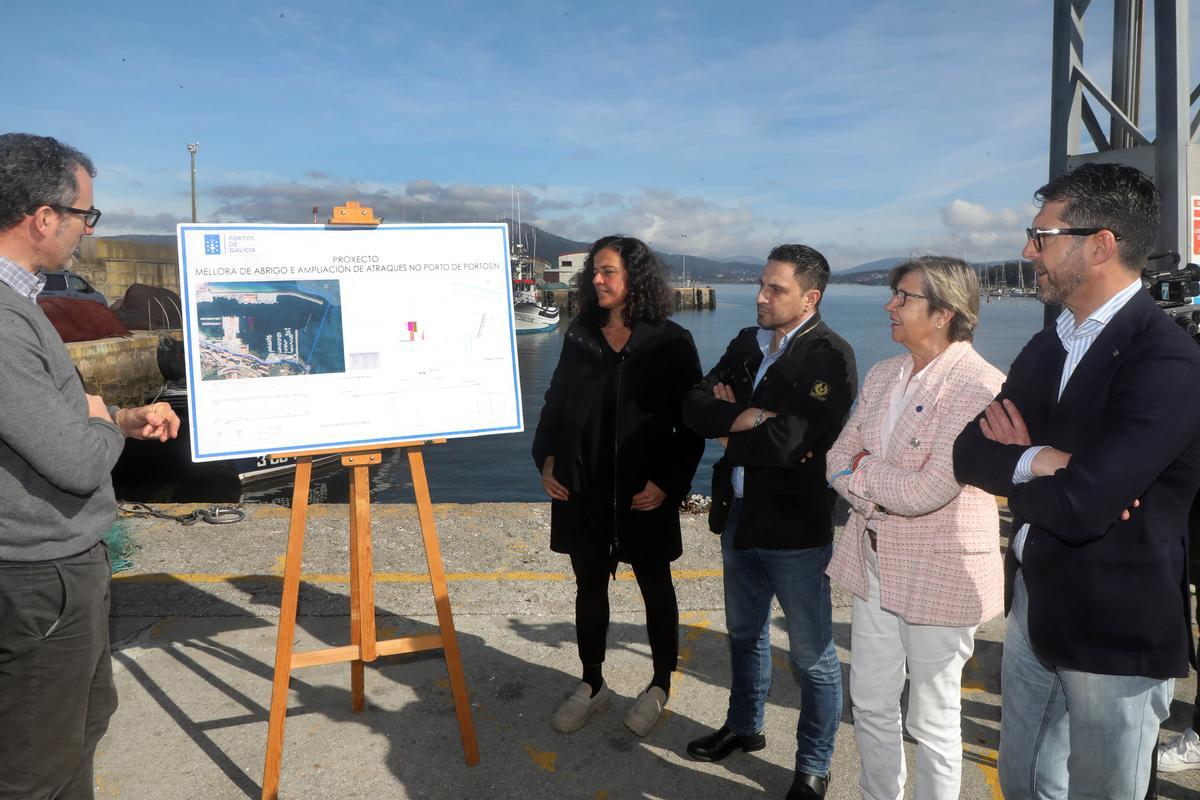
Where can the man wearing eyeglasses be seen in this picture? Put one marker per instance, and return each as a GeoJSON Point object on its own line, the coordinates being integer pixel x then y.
{"type": "Point", "coordinates": [57, 447]}
{"type": "Point", "coordinates": [1095, 441]}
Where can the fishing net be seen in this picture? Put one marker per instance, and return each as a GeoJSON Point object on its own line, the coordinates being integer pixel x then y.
{"type": "Point", "coordinates": [120, 547]}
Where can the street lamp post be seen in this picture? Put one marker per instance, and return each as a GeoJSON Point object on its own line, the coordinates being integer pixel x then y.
{"type": "Point", "coordinates": [684, 236]}
{"type": "Point", "coordinates": [193, 148]}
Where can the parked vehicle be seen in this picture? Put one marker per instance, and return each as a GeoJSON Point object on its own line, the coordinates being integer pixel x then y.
{"type": "Point", "coordinates": [64, 283]}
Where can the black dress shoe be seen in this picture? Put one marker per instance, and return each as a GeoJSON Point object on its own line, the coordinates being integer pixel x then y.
{"type": "Point", "coordinates": [806, 786]}
{"type": "Point", "coordinates": [717, 745]}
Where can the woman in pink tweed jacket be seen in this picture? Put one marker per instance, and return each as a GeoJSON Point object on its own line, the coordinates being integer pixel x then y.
{"type": "Point", "coordinates": [920, 551]}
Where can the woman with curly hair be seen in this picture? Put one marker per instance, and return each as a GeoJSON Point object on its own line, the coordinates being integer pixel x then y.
{"type": "Point", "coordinates": [617, 461]}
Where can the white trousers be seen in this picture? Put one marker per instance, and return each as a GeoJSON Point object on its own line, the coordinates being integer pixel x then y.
{"type": "Point", "coordinates": [881, 644]}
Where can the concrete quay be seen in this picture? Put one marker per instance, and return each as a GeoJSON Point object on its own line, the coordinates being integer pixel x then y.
{"type": "Point", "coordinates": [194, 631]}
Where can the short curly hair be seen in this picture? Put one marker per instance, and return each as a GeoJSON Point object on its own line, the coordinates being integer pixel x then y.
{"type": "Point", "coordinates": [36, 171]}
{"type": "Point", "coordinates": [648, 297]}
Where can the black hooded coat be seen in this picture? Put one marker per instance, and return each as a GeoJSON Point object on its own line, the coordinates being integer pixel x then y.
{"type": "Point", "coordinates": [613, 421]}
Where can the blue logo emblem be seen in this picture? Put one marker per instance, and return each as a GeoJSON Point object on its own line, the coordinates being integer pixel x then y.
{"type": "Point", "coordinates": [212, 244]}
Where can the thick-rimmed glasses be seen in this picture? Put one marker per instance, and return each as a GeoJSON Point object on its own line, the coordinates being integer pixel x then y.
{"type": "Point", "coordinates": [902, 296]}
{"type": "Point", "coordinates": [90, 215]}
{"type": "Point", "coordinates": [1035, 234]}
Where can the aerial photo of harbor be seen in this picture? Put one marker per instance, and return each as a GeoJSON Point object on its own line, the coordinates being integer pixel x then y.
{"type": "Point", "coordinates": [271, 329]}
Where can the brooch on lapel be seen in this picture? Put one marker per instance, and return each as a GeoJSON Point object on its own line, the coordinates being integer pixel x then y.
{"type": "Point", "coordinates": [819, 391]}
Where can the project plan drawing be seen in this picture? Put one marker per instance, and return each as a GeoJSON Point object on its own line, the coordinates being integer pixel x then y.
{"type": "Point", "coordinates": [306, 337]}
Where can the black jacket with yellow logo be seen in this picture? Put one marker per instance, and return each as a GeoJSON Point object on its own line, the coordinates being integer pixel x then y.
{"type": "Point", "coordinates": [786, 501]}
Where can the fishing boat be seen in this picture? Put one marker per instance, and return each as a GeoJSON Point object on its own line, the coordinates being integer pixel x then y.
{"type": "Point", "coordinates": [1022, 290]}
{"type": "Point", "coordinates": [530, 314]}
{"type": "Point", "coordinates": [164, 471]}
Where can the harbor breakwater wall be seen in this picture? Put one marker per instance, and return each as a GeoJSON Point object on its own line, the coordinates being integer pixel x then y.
{"type": "Point", "coordinates": [684, 297]}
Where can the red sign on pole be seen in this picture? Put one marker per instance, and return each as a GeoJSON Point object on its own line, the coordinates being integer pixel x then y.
{"type": "Point", "coordinates": [1195, 229]}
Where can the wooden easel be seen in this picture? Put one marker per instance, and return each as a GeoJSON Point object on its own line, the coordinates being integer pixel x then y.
{"type": "Point", "coordinates": [363, 647]}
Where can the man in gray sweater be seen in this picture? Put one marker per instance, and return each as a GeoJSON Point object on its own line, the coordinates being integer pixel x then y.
{"type": "Point", "coordinates": [57, 446]}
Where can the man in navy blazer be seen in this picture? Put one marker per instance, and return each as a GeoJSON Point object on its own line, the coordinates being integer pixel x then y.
{"type": "Point", "coordinates": [1095, 440]}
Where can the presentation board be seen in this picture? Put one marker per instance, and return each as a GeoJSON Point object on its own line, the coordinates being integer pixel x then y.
{"type": "Point", "coordinates": [305, 337]}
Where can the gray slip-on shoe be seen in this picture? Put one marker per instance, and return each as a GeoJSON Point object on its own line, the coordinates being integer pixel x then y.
{"type": "Point", "coordinates": [646, 711]}
{"type": "Point", "coordinates": [575, 710]}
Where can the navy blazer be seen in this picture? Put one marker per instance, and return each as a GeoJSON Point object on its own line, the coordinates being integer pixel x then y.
{"type": "Point", "coordinates": [1105, 596]}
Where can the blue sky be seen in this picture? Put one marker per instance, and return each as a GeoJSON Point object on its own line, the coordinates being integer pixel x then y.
{"type": "Point", "coordinates": [867, 129]}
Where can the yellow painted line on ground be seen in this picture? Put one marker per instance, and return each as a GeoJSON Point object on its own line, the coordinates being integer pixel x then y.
{"type": "Point", "coordinates": [543, 758]}
{"type": "Point", "coordinates": [383, 577]}
{"type": "Point", "coordinates": [972, 679]}
{"type": "Point", "coordinates": [103, 787]}
{"type": "Point", "coordinates": [698, 624]}
{"type": "Point", "coordinates": [987, 766]}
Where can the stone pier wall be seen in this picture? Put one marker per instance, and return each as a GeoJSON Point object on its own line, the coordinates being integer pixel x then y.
{"type": "Point", "coordinates": [122, 370]}
{"type": "Point", "coordinates": [112, 265]}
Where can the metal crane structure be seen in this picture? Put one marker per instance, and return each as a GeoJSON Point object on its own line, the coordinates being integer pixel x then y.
{"type": "Point", "coordinates": [1077, 103]}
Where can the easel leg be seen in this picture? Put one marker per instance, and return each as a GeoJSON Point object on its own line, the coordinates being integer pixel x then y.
{"type": "Point", "coordinates": [441, 599]}
{"type": "Point", "coordinates": [362, 592]}
{"type": "Point", "coordinates": [287, 630]}
{"type": "Point", "coordinates": [356, 666]}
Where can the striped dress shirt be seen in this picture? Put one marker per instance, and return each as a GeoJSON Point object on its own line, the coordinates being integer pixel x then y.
{"type": "Point", "coordinates": [1076, 339]}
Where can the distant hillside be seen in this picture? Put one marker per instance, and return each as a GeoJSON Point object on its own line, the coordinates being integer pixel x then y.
{"type": "Point", "coordinates": [736, 269]}
{"type": "Point", "coordinates": [147, 238]}
{"type": "Point", "coordinates": [549, 247]}
{"type": "Point", "coordinates": [543, 244]}
{"type": "Point", "coordinates": [872, 273]}
{"type": "Point", "coordinates": [878, 265]}
{"type": "Point", "coordinates": [993, 273]}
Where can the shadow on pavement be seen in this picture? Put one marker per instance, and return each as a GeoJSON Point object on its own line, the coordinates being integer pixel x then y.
{"type": "Point", "coordinates": [216, 692]}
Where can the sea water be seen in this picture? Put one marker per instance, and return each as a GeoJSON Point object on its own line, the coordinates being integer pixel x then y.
{"type": "Point", "coordinates": [500, 468]}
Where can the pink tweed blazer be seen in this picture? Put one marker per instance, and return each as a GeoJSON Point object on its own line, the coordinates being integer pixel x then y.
{"type": "Point", "coordinates": [938, 542]}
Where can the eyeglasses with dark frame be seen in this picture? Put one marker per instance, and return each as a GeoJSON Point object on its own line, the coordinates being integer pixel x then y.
{"type": "Point", "coordinates": [904, 296]}
{"type": "Point", "coordinates": [1035, 234]}
{"type": "Point", "coordinates": [90, 215]}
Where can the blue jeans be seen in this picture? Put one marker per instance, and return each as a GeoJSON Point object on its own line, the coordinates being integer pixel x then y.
{"type": "Point", "coordinates": [1073, 734]}
{"type": "Point", "coordinates": [797, 578]}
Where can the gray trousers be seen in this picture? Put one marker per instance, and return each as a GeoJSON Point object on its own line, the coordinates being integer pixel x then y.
{"type": "Point", "coordinates": [56, 684]}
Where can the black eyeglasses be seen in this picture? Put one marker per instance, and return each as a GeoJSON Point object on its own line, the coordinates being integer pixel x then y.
{"type": "Point", "coordinates": [1035, 234]}
{"type": "Point", "coordinates": [904, 296]}
{"type": "Point", "coordinates": [90, 215]}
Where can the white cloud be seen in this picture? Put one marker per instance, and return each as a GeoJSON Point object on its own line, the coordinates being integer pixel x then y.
{"type": "Point", "coordinates": [965, 215]}
{"type": "Point", "coordinates": [672, 223]}
{"type": "Point", "coordinates": [981, 233]}
{"type": "Point", "coordinates": [126, 220]}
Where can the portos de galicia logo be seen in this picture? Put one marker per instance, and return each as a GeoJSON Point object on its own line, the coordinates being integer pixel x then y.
{"type": "Point", "coordinates": [216, 244]}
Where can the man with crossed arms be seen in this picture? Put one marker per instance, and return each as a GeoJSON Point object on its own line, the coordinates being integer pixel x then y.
{"type": "Point", "coordinates": [1095, 440]}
